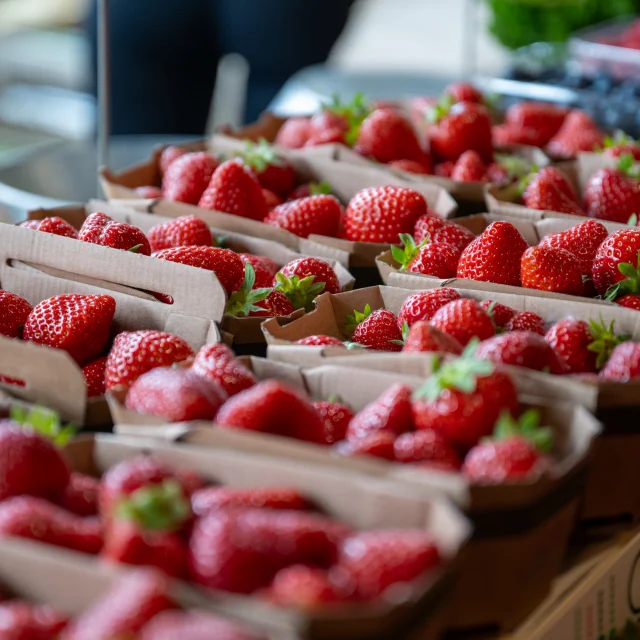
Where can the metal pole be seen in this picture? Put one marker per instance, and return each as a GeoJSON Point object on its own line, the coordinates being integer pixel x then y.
{"type": "Point", "coordinates": [104, 85]}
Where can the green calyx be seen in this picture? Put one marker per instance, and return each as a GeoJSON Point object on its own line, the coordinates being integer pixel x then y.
{"type": "Point", "coordinates": [159, 507]}
{"type": "Point", "coordinates": [633, 220]}
{"type": "Point", "coordinates": [619, 137]}
{"type": "Point", "coordinates": [631, 283]}
{"type": "Point", "coordinates": [604, 340]}
{"type": "Point", "coordinates": [43, 422]}
{"type": "Point", "coordinates": [319, 188]}
{"type": "Point", "coordinates": [355, 318]}
{"type": "Point", "coordinates": [627, 165]}
{"type": "Point", "coordinates": [243, 301]}
{"type": "Point", "coordinates": [526, 179]}
{"type": "Point", "coordinates": [300, 291]}
{"type": "Point", "coordinates": [461, 374]}
{"type": "Point", "coordinates": [515, 166]}
{"type": "Point", "coordinates": [404, 256]}
{"type": "Point", "coordinates": [440, 110]}
{"type": "Point", "coordinates": [260, 155]}
{"type": "Point", "coordinates": [527, 426]}
{"type": "Point", "coordinates": [405, 335]}
{"type": "Point", "coordinates": [354, 113]}
{"type": "Point", "coordinates": [354, 345]}
{"type": "Point", "coordinates": [135, 249]}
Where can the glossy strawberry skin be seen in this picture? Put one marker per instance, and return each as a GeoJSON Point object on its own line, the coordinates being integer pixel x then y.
{"type": "Point", "coordinates": [620, 247]}
{"type": "Point", "coordinates": [186, 178]}
{"type": "Point", "coordinates": [277, 178]}
{"type": "Point", "coordinates": [519, 349]}
{"type": "Point", "coordinates": [317, 215]}
{"type": "Point", "coordinates": [276, 304]}
{"type": "Point", "coordinates": [629, 301]}
{"type": "Point", "coordinates": [321, 341]}
{"type": "Point", "coordinates": [303, 587]}
{"type": "Point", "coordinates": [469, 168]}
{"type": "Point", "coordinates": [462, 320]}
{"type": "Point", "coordinates": [412, 166]}
{"type": "Point", "coordinates": [53, 224]}
{"type": "Point", "coordinates": [218, 363]}
{"type": "Point", "coordinates": [622, 149]}
{"type": "Point", "coordinates": [423, 337]}
{"type": "Point", "coordinates": [149, 193]}
{"type": "Point", "coordinates": [464, 92]}
{"type": "Point", "coordinates": [377, 444]}
{"type": "Point", "coordinates": [549, 190]}
{"type": "Point", "coordinates": [577, 133]}
{"type": "Point", "coordinates": [495, 462]}
{"type": "Point", "coordinates": [500, 313]}
{"type": "Point", "coordinates": [437, 229]}
{"type": "Point", "coordinates": [422, 305]}
{"type": "Point", "coordinates": [25, 621]}
{"type": "Point", "coordinates": [264, 268]}
{"type": "Point", "coordinates": [550, 269]}
{"type": "Point", "coordinates": [209, 500]}
{"type": "Point", "coordinates": [425, 446]}
{"type": "Point", "coordinates": [181, 232]}
{"type": "Point", "coordinates": [545, 119]}
{"type": "Point", "coordinates": [526, 321]}
{"type": "Point", "coordinates": [378, 330]}
{"type": "Point", "coordinates": [94, 377]}
{"type": "Point", "coordinates": [192, 624]}
{"type": "Point", "coordinates": [507, 135]}
{"type": "Point", "coordinates": [336, 417]}
{"type": "Point", "coordinates": [320, 270]}
{"type": "Point", "coordinates": [444, 169]}
{"type": "Point", "coordinates": [81, 495]}
{"type": "Point", "coordinates": [168, 155]}
{"type": "Point", "coordinates": [294, 133]}
{"type": "Point", "coordinates": [570, 339]}
{"type": "Point", "coordinates": [14, 312]}
{"type": "Point", "coordinates": [78, 324]}
{"type": "Point", "coordinates": [611, 195]}
{"type": "Point", "coordinates": [623, 364]}
{"type": "Point", "coordinates": [436, 259]}
{"type": "Point", "coordinates": [99, 228]}
{"type": "Point", "coordinates": [271, 199]}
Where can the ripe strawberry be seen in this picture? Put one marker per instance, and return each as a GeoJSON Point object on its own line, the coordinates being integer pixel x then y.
{"type": "Point", "coordinates": [436, 229]}
{"type": "Point", "coordinates": [310, 189]}
{"type": "Point", "coordinates": [423, 337]}
{"type": "Point", "coordinates": [25, 621]}
{"type": "Point", "coordinates": [168, 155]}
{"type": "Point", "coordinates": [464, 92]}
{"type": "Point", "coordinates": [273, 172]}
{"type": "Point", "coordinates": [629, 301]}
{"type": "Point", "coordinates": [181, 232]}
{"type": "Point", "coordinates": [94, 377]}
{"type": "Point", "coordinates": [176, 395]}
{"type": "Point", "coordinates": [218, 363]}
{"type": "Point", "coordinates": [36, 519]}
{"type": "Point", "coordinates": [465, 126]}
{"type": "Point", "coordinates": [520, 349]}
{"type": "Point", "coordinates": [463, 399]}
{"type": "Point", "coordinates": [577, 133]}
{"type": "Point", "coordinates": [425, 446]}
{"type": "Point", "coordinates": [225, 263]}
{"type": "Point", "coordinates": [194, 625]}
{"type": "Point", "coordinates": [617, 150]}
{"type": "Point", "coordinates": [436, 259]}
{"type": "Point", "coordinates": [422, 305]}
{"type": "Point", "coordinates": [75, 323]}
{"type": "Point", "coordinates": [14, 312]}
{"type": "Point", "coordinates": [551, 269]}
{"type": "Point", "coordinates": [186, 177]}
{"type": "Point", "coordinates": [498, 174]}
{"type": "Point", "coordinates": [548, 190]}
{"type": "Point", "coordinates": [209, 500]}
{"type": "Point", "coordinates": [620, 248]}
{"type": "Point", "coordinates": [378, 559]}
{"type": "Point", "coordinates": [276, 304]}
{"type": "Point", "coordinates": [99, 228]}
{"type": "Point", "coordinates": [378, 444]}
{"type": "Point", "coordinates": [321, 341]}
{"type": "Point", "coordinates": [623, 364]}
{"type": "Point", "coordinates": [136, 352]}
{"type": "Point", "coordinates": [294, 133]}
{"type": "Point", "coordinates": [149, 193]}
{"type": "Point", "coordinates": [544, 119]}
{"type": "Point", "coordinates": [501, 314]}
{"type": "Point", "coordinates": [53, 224]}
{"type": "Point", "coordinates": [271, 199]}
{"type": "Point", "coordinates": [463, 320]}
{"type": "Point", "coordinates": [81, 495]}
{"type": "Point", "coordinates": [611, 194]}
{"type": "Point", "coordinates": [444, 169]}
{"type": "Point", "coordinates": [413, 166]}
{"type": "Point", "coordinates": [374, 329]}
{"type": "Point", "coordinates": [526, 321]}
{"type": "Point", "coordinates": [264, 268]}
{"type": "Point", "coordinates": [304, 279]}
{"type": "Point", "coordinates": [328, 136]}
{"type": "Point", "coordinates": [136, 598]}
{"type": "Point", "coordinates": [336, 417]}
{"type": "Point", "coordinates": [381, 214]}
{"type": "Point", "coordinates": [328, 120]}
{"type": "Point", "coordinates": [273, 407]}
{"type": "Point", "coordinates": [303, 587]}
{"type": "Point", "coordinates": [304, 216]}
{"type": "Point", "coordinates": [494, 256]}
{"type": "Point", "coordinates": [552, 176]}
{"type": "Point", "coordinates": [469, 168]}
{"type": "Point", "coordinates": [508, 135]}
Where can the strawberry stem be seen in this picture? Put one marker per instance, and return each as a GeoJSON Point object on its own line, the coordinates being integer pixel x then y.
{"type": "Point", "coordinates": [355, 318]}
{"type": "Point", "coordinates": [604, 340]}
{"type": "Point", "coordinates": [243, 301]}
{"type": "Point", "coordinates": [631, 283]}
{"type": "Point", "coordinates": [527, 426]}
{"type": "Point", "coordinates": [44, 422]}
{"type": "Point", "coordinates": [300, 291]}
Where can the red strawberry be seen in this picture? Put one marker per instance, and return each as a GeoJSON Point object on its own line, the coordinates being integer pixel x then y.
{"type": "Point", "coordinates": [610, 194]}
{"type": "Point", "coordinates": [463, 320]}
{"type": "Point", "coordinates": [620, 248]}
{"type": "Point", "coordinates": [218, 363]}
{"type": "Point", "coordinates": [464, 92]}
{"type": "Point", "coordinates": [273, 172]}
{"type": "Point", "coordinates": [36, 519]}
{"type": "Point", "coordinates": [444, 169]}
{"type": "Point", "coordinates": [321, 341]}
{"type": "Point", "coordinates": [264, 268]}
{"type": "Point", "coordinates": [412, 166]}
{"type": "Point", "coordinates": [25, 621]}
{"type": "Point", "coordinates": [378, 445]}
{"type": "Point", "coordinates": [436, 229]}
{"type": "Point", "coordinates": [629, 301]}
{"type": "Point", "coordinates": [381, 214]}
{"type": "Point", "coordinates": [303, 587]}
{"type": "Point", "coordinates": [136, 352]}
{"type": "Point", "coordinates": [466, 126]}
{"type": "Point", "coordinates": [499, 174]}
{"type": "Point", "coordinates": [551, 269]}
{"type": "Point", "coordinates": [194, 625]}
{"type": "Point", "coordinates": [327, 120]}
{"type": "Point", "coordinates": [53, 224]}
{"type": "Point", "coordinates": [526, 321]}
{"type": "Point", "coordinates": [508, 135]}
{"type": "Point", "coordinates": [94, 377]}
{"type": "Point", "coordinates": [168, 155]}
{"type": "Point", "coordinates": [136, 598]}
{"type": "Point", "coordinates": [374, 329]}
{"type": "Point", "coordinates": [304, 279]}
{"type": "Point", "coordinates": [469, 168]}
{"type": "Point", "coordinates": [209, 500]}
{"type": "Point", "coordinates": [276, 304]}
{"type": "Point", "coordinates": [75, 323]}
{"type": "Point", "coordinates": [336, 417]}
{"type": "Point", "coordinates": [149, 193]}
{"type": "Point", "coordinates": [271, 199]}
{"type": "Point", "coordinates": [181, 232]}
{"type": "Point", "coordinates": [328, 136]}
{"type": "Point", "coordinates": [577, 133]}
{"type": "Point", "coordinates": [618, 150]}
{"type": "Point", "coordinates": [378, 559]}
{"type": "Point", "coordinates": [623, 364]}
{"type": "Point", "coordinates": [425, 446]}
{"type": "Point", "coordinates": [390, 412]}
{"type": "Point", "coordinates": [225, 263]}
{"type": "Point", "coordinates": [81, 495]}
{"type": "Point", "coordinates": [310, 189]}
{"type": "Point", "coordinates": [555, 177]}
{"type": "Point", "coordinates": [519, 349]}
{"type": "Point", "coordinates": [494, 256]}
{"type": "Point", "coordinates": [273, 407]}
{"type": "Point", "coordinates": [316, 214]}
{"type": "Point", "coordinates": [501, 314]}
{"type": "Point", "coordinates": [544, 193]}
{"type": "Point", "coordinates": [422, 305]}
{"type": "Point", "coordinates": [99, 228]}
{"type": "Point", "coordinates": [186, 178]}
{"type": "Point", "coordinates": [294, 133]}
{"type": "Point", "coordinates": [436, 259]}
{"type": "Point", "coordinates": [14, 312]}
{"type": "Point", "coordinates": [545, 119]}
{"type": "Point", "coordinates": [175, 395]}
{"type": "Point", "coordinates": [423, 337]}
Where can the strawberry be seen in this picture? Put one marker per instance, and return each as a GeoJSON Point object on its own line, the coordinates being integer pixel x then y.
{"type": "Point", "coordinates": [444, 169]}
{"type": "Point", "coordinates": [611, 194]}
{"type": "Point", "coordinates": [219, 364]}
{"type": "Point", "coordinates": [276, 304]}
{"type": "Point", "coordinates": [25, 621]}
{"type": "Point", "coordinates": [425, 446]}
{"type": "Point", "coordinates": [136, 598]}
{"type": "Point", "coordinates": [422, 305]}
{"type": "Point", "coordinates": [620, 248]}
{"type": "Point", "coordinates": [378, 559]}
{"type": "Point", "coordinates": [526, 321]}
{"type": "Point", "coordinates": [551, 269]}
{"type": "Point", "coordinates": [223, 262]}
{"type": "Point", "coordinates": [181, 232]}
{"type": "Point", "coordinates": [209, 500]}
{"type": "Point", "coordinates": [577, 133]}
{"type": "Point", "coordinates": [548, 190]}
{"type": "Point", "coordinates": [413, 166]}
{"type": "Point", "coordinates": [374, 329]}
{"type": "Point", "coordinates": [242, 550]}
{"type": "Point", "coordinates": [463, 320]}
{"type": "Point", "coordinates": [264, 268]}
{"type": "Point", "coordinates": [273, 172]}
{"type": "Point", "coordinates": [378, 444]}
{"type": "Point", "coordinates": [436, 259]}
{"type": "Point", "coordinates": [469, 168]}
{"type": "Point", "coordinates": [149, 193]}
{"type": "Point", "coordinates": [327, 120]}
{"type": "Point", "coordinates": [321, 341]}
{"type": "Point", "coordinates": [436, 229]}
{"type": "Point", "coordinates": [99, 228]}
{"type": "Point", "coordinates": [14, 312]}
{"type": "Point", "coordinates": [310, 189]}
{"type": "Point", "coordinates": [78, 324]}
{"type": "Point", "coordinates": [194, 625]}
{"type": "Point", "coordinates": [294, 133]}
{"type": "Point", "coordinates": [390, 412]}
{"type": "Point", "coordinates": [583, 347]}
{"type": "Point", "coordinates": [463, 399]}
{"type": "Point", "coordinates": [175, 395]}
{"type": "Point", "coordinates": [508, 135]}
{"type": "Point", "coordinates": [53, 224]}
{"type": "Point", "coordinates": [465, 126]}
{"type": "Point", "coordinates": [421, 337]}
{"type": "Point", "coordinates": [519, 349]}
{"type": "Point", "coordinates": [272, 200]}
{"type": "Point", "coordinates": [623, 364]}
{"type": "Point", "coordinates": [36, 519]}
{"type": "Point", "coordinates": [186, 178]}
{"type": "Point", "coordinates": [328, 136]}
{"type": "Point", "coordinates": [629, 301]}
{"type": "Point", "coordinates": [501, 314]}
{"type": "Point", "coordinates": [136, 352]}
{"type": "Point", "coordinates": [463, 92]}
{"type": "Point", "coordinates": [94, 377]}
{"type": "Point", "coordinates": [81, 495]}
{"type": "Point", "coordinates": [336, 417]}
{"type": "Point", "coordinates": [380, 214]}
{"type": "Point", "coordinates": [273, 407]}
{"type": "Point", "coordinates": [617, 148]}
{"type": "Point", "coordinates": [544, 119]}
{"type": "Point", "coordinates": [494, 256]}
{"type": "Point", "coordinates": [552, 176]}
{"type": "Point", "coordinates": [498, 174]}
{"type": "Point", "coordinates": [168, 155]}
{"type": "Point", "coordinates": [303, 587]}
{"type": "Point", "coordinates": [304, 279]}
{"type": "Point", "coordinates": [247, 299]}
{"type": "Point", "coordinates": [315, 215]}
